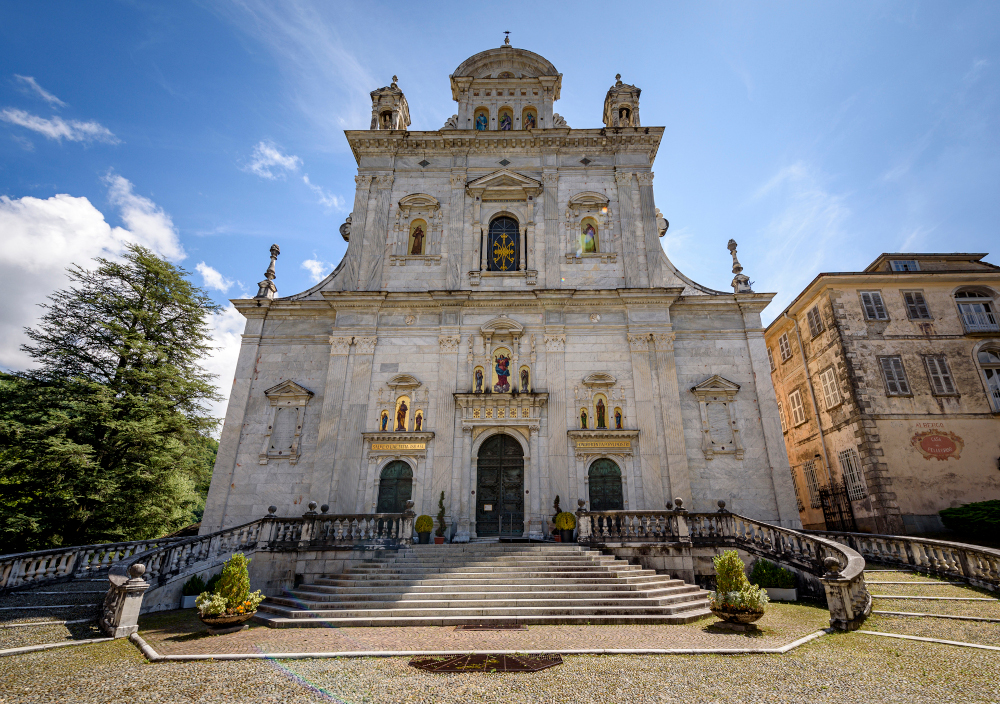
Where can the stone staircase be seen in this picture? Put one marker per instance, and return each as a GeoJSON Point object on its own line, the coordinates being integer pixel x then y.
{"type": "Point", "coordinates": [488, 584]}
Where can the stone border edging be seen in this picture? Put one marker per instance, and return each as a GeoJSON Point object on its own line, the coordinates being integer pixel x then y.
{"type": "Point", "coordinates": [932, 640]}
{"type": "Point", "coordinates": [48, 606]}
{"type": "Point", "coordinates": [934, 598]}
{"type": "Point", "coordinates": [46, 623]}
{"type": "Point", "coordinates": [153, 656]}
{"type": "Point", "coordinates": [48, 646]}
{"type": "Point", "coordinates": [957, 618]}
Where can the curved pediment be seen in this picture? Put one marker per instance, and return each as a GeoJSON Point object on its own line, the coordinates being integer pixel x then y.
{"type": "Point", "coordinates": [502, 325]}
{"type": "Point", "coordinates": [588, 199]}
{"type": "Point", "coordinates": [493, 62]}
{"type": "Point", "coordinates": [599, 379]}
{"type": "Point", "coordinates": [419, 201]}
{"type": "Point", "coordinates": [404, 381]}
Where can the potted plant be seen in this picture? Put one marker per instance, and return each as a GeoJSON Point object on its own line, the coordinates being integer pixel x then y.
{"type": "Point", "coordinates": [552, 522]}
{"type": "Point", "coordinates": [232, 603]}
{"type": "Point", "coordinates": [778, 582]}
{"type": "Point", "coordinates": [439, 533]}
{"type": "Point", "coordinates": [565, 523]}
{"type": "Point", "coordinates": [735, 600]}
{"type": "Point", "coordinates": [190, 591]}
{"type": "Point", "coordinates": [424, 526]}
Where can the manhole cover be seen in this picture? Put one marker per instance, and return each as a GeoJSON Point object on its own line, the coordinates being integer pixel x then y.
{"type": "Point", "coordinates": [487, 663]}
{"type": "Point", "coordinates": [491, 628]}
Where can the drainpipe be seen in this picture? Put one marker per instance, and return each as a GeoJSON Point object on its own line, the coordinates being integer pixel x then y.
{"type": "Point", "coordinates": [812, 397]}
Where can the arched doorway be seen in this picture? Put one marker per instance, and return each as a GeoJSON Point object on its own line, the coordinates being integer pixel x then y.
{"type": "Point", "coordinates": [394, 487]}
{"type": "Point", "coordinates": [606, 486]}
{"type": "Point", "coordinates": [500, 487]}
{"type": "Point", "coordinates": [502, 245]}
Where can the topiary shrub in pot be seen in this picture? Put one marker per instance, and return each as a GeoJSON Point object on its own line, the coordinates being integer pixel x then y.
{"type": "Point", "coordinates": [231, 603]}
{"type": "Point", "coordinates": [424, 526]}
{"type": "Point", "coordinates": [778, 582]}
{"type": "Point", "coordinates": [735, 600]}
{"type": "Point", "coordinates": [442, 526]}
{"type": "Point", "coordinates": [190, 591]}
{"type": "Point", "coordinates": [565, 523]}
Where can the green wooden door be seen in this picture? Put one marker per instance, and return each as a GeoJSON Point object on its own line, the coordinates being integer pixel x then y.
{"type": "Point", "coordinates": [395, 487]}
{"type": "Point", "coordinates": [500, 487]}
{"type": "Point", "coordinates": [606, 486]}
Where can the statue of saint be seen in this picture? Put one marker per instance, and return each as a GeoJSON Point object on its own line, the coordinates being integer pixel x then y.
{"type": "Point", "coordinates": [505, 122]}
{"type": "Point", "coordinates": [618, 419]}
{"type": "Point", "coordinates": [524, 380]}
{"type": "Point", "coordinates": [601, 422]}
{"type": "Point", "coordinates": [529, 121]}
{"type": "Point", "coordinates": [401, 416]}
{"type": "Point", "coordinates": [418, 241]}
{"type": "Point", "coordinates": [583, 419]}
{"type": "Point", "coordinates": [385, 421]}
{"type": "Point", "coordinates": [479, 381]}
{"type": "Point", "coordinates": [589, 239]}
{"type": "Point", "coordinates": [503, 375]}
{"type": "Point", "coordinates": [418, 421]}
{"type": "Point", "coordinates": [481, 121]}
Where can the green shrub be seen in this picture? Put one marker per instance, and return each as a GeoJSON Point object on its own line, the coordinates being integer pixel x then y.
{"type": "Point", "coordinates": [210, 604]}
{"type": "Point", "coordinates": [195, 585]}
{"type": "Point", "coordinates": [565, 521]}
{"type": "Point", "coordinates": [442, 527]}
{"type": "Point", "coordinates": [981, 520]}
{"type": "Point", "coordinates": [767, 574]}
{"type": "Point", "coordinates": [734, 593]}
{"type": "Point", "coordinates": [234, 586]}
{"type": "Point", "coordinates": [424, 524]}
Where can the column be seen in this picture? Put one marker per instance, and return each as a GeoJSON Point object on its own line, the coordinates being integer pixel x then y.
{"type": "Point", "coordinates": [443, 420]}
{"type": "Point", "coordinates": [348, 278]}
{"type": "Point", "coordinates": [333, 399]}
{"type": "Point", "coordinates": [550, 233]}
{"type": "Point", "coordinates": [533, 520]}
{"type": "Point", "coordinates": [484, 245]}
{"type": "Point", "coordinates": [466, 507]}
{"type": "Point", "coordinates": [558, 450]}
{"type": "Point", "coordinates": [455, 237]}
{"type": "Point", "coordinates": [354, 416]}
{"type": "Point", "coordinates": [633, 274]}
{"type": "Point", "coordinates": [645, 414]}
{"type": "Point", "coordinates": [372, 278]}
{"type": "Point", "coordinates": [647, 210]}
{"type": "Point", "coordinates": [678, 475]}
{"type": "Point", "coordinates": [523, 249]}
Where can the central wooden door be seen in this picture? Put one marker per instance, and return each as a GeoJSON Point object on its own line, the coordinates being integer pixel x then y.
{"type": "Point", "coordinates": [500, 487]}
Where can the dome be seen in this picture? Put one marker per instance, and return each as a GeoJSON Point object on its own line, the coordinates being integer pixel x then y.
{"type": "Point", "coordinates": [493, 62]}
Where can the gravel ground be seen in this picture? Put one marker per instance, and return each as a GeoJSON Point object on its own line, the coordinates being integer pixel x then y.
{"type": "Point", "coordinates": [38, 635]}
{"type": "Point", "coordinates": [876, 576]}
{"type": "Point", "coordinates": [946, 629]}
{"type": "Point", "coordinates": [953, 590]}
{"type": "Point", "coordinates": [982, 609]}
{"type": "Point", "coordinates": [843, 668]}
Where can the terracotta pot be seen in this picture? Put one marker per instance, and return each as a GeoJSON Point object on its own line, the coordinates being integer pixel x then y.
{"type": "Point", "coordinates": [738, 616]}
{"type": "Point", "coordinates": [439, 540]}
{"type": "Point", "coordinates": [223, 620]}
{"type": "Point", "coordinates": [556, 537]}
{"type": "Point", "coordinates": [424, 537]}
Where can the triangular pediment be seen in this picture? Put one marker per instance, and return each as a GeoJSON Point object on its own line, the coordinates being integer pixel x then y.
{"type": "Point", "coordinates": [599, 379]}
{"type": "Point", "coordinates": [716, 385]}
{"type": "Point", "coordinates": [404, 381]}
{"type": "Point", "coordinates": [504, 179]}
{"type": "Point", "coordinates": [500, 325]}
{"type": "Point", "coordinates": [287, 388]}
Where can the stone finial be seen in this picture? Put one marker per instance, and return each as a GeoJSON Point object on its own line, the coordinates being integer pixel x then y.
{"type": "Point", "coordinates": [670, 505]}
{"type": "Point", "coordinates": [324, 508]}
{"type": "Point", "coordinates": [393, 84]}
{"type": "Point", "coordinates": [722, 506]}
{"type": "Point", "coordinates": [618, 79]}
{"type": "Point", "coordinates": [581, 503]}
{"type": "Point", "coordinates": [271, 510]}
{"type": "Point", "coordinates": [679, 503]}
{"type": "Point", "coordinates": [313, 505]}
{"type": "Point", "coordinates": [136, 570]}
{"type": "Point", "coordinates": [741, 282]}
{"type": "Point", "coordinates": [831, 566]}
{"type": "Point", "coordinates": [506, 39]}
{"type": "Point", "coordinates": [266, 288]}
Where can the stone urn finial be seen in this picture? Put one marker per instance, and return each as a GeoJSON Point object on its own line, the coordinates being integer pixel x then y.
{"type": "Point", "coordinates": [266, 288]}
{"type": "Point", "coordinates": [136, 570]}
{"type": "Point", "coordinates": [741, 282]}
{"type": "Point", "coordinates": [271, 510]}
{"type": "Point", "coordinates": [831, 566]}
{"type": "Point", "coordinates": [722, 506]}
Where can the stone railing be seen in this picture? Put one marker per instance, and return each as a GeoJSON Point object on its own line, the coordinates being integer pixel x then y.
{"type": "Point", "coordinates": [35, 569]}
{"type": "Point", "coordinates": [838, 568]}
{"type": "Point", "coordinates": [976, 565]}
{"type": "Point", "coordinates": [321, 530]}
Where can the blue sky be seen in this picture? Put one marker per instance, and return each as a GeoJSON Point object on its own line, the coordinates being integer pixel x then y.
{"type": "Point", "coordinates": [815, 134]}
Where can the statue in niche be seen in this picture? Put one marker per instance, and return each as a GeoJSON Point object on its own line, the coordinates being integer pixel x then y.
{"type": "Point", "coordinates": [479, 381]}
{"type": "Point", "coordinates": [618, 419]}
{"type": "Point", "coordinates": [481, 121]}
{"type": "Point", "coordinates": [503, 374]}
{"type": "Point", "coordinates": [583, 418]}
{"type": "Point", "coordinates": [505, 122]}
{"type": "Point", "coordinates": [601, 416]}
{"type": "Point", "coordinates": [401, 416]}
{"type": "Point", "coordinates": [524, 380]}
{"type": "Point", "coordinates": [529, 121]}
{"type": "Point", "coordinates": [418, 422]}
{"type": "Point", "coordinates": [418, 241]}
{"type": "Point", "coordinates": [624, 116]}
{"type": "Point", "coordinates": [385, 421]}
{"type": "Point", "coordinates": [589, 238]}
{"type": "Point", "coordinates": [386, 120]}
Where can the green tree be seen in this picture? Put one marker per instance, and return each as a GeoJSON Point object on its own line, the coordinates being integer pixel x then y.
{"type": "Point", "coordinates": [107, 438]}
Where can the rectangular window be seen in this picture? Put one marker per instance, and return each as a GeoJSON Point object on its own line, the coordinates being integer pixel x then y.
{"type": "Point", "coordinates": [831, 392]}
{"type": "Point", "coordinates": [812, 484]}
{"type": "Point", "coordinates": [916, 306]}
{"type": "Point", "coordinates": [784, 348]}
{"type": "Point", "coordinates": [781, 415]}
{"type": "Point", "coordinates": [939, 375]}
{"type": "Point", "coordinates": [850, 468]}
{"type": "Point", "coordinates": [798, 412]}
{"type": "Point", "coordinates": [873, 305]}
{"type": "Point", "coordinates": [770, 358]}
{"type": "Point", "coordinates": [905, 265]}
{"type": "Point", "coordinates": [895, 377]}
{"type": "Point", "coordinates": [815, 321]}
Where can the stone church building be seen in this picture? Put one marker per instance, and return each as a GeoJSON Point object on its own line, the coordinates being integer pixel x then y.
{"type": "Point", "coordinates": [505, 327]}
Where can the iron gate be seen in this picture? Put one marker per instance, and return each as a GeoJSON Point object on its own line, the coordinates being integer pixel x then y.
{"type": "Point", "coordinates": [838, 514]}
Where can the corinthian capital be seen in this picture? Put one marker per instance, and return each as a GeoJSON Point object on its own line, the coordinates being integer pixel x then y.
{"type": "Point", "coordinates": [384, 181]}
{"type": "Point", "coordinates": [449, 343]}
{"type": "Point", "coordinates": [550, 178]}
{"type": "Point", "coordinates": [457, 180]}
{"type": "Point", "coordinates": [638, 343]}
{"type": "Point", "coordinates": [363, 181]}
{"type": "Point", "coordinates": [365, 345]}
{"type": "Point", "coordinates": [664, 341]}
{"type": "Point", "coordinates": [645, 178]}
{"type": "Point", "coordinates": [554, 343]}
{"type": "Point", "coordinates": [623, 178]}
{"type": "Point", "coordinates": [340, 345]}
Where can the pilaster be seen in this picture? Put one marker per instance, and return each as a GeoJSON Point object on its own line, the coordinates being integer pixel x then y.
{"type": "Point", "coordinates": [651, 238]}
{"type": "Point", "coordinates": [677, 471]}
{"type": "Point", "coordinates": [645, 413]}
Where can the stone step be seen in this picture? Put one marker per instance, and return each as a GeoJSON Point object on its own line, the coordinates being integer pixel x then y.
{"type": "Point", "coordinates": [395, 621]}
{"type": "Point", "coordinates": [493, 587]}
{"type": "Point", "coordinates": [483, 611]}
{"type": "Point", "coordinates": [546, 569]}
{"type": "Point", "coordinates": [500, 561]}
{"type": "Point", "coordinates": [309, 607]}
{"type": "Point", "coordinates": [446, 580]}
{"type": "Point", "coordinates": [502, 591]}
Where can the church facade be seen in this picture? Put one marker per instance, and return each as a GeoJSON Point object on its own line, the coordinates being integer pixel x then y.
{"type": "Point", "coordinates": [504, 328]}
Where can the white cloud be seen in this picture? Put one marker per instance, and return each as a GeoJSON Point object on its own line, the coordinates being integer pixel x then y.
{"type": "Point", "coordinates": [41, 92]}
{"type": "Point", "coordinates": [327, 199]}
{"type": "Point", "coordinates": [269, 162]}
{"type": "Point", "coordinates": [60, 129]}
{"type": "Point", "coordinates": [211, 278]}
{"type": "Point", "coordinates": [317, 270]}
{"type": "Point", "coordinates": [150, 226]}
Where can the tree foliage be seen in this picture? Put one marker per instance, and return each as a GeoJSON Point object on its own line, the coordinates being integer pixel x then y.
{"type": "Point", "coordinates": [106, 439]}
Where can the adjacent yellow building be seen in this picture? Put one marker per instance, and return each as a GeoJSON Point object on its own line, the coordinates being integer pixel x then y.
{"type": "Point", "coordinates": [888, 386]}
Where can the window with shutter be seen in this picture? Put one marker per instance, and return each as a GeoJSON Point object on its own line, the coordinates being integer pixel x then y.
{"type": "Point", "coordinates": [781, 415]}
{"type": "Point", "coordinates": [784, 348]}
{"type": "Point", "coordinates": [798, 412]}
{"type": "Point", "coordinates": [939, 375]}
{"type": "Point", "coordinates": [770, 358]}
{"type": "Point", "coordinates": [854, 480]}
{"type": "Point", "coordinates": [812, 484]}
{"type": "Point", "coordinates": [916, 306]}
{"type": "Point", "coordinates": [895, 377]}
{"type": "Point", "coordinates": [815, 321]}
{"type": "Point", "coordinates": [989, 362]}
{"type": "Point", "coordinates": [905, 265]}
{"type": "Point", "coordinates": [873, 305]}
{"type": "Point", "coordinates": [831, 393]}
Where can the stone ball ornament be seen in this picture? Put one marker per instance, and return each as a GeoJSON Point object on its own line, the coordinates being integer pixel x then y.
{"type": "Point", "coordinates": [271, 510]}
{"type": "Point", "coordinates": [136, 570]}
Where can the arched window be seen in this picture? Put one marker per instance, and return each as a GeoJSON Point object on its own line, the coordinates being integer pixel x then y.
{"type": "Point", "coordinates": [502, 245]}
{"type": "Point", "coordinates": [976, 310]}
{"type": "Point", "coordinates": [395, 487]}
{"type": "Point", "coordinates": [989, 362]}
{"type": "Point", "coordinates": [605, 480]}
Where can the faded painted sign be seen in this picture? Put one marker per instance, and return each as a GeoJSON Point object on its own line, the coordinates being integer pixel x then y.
{"type": "Point", "coordinates": [939, 444]}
